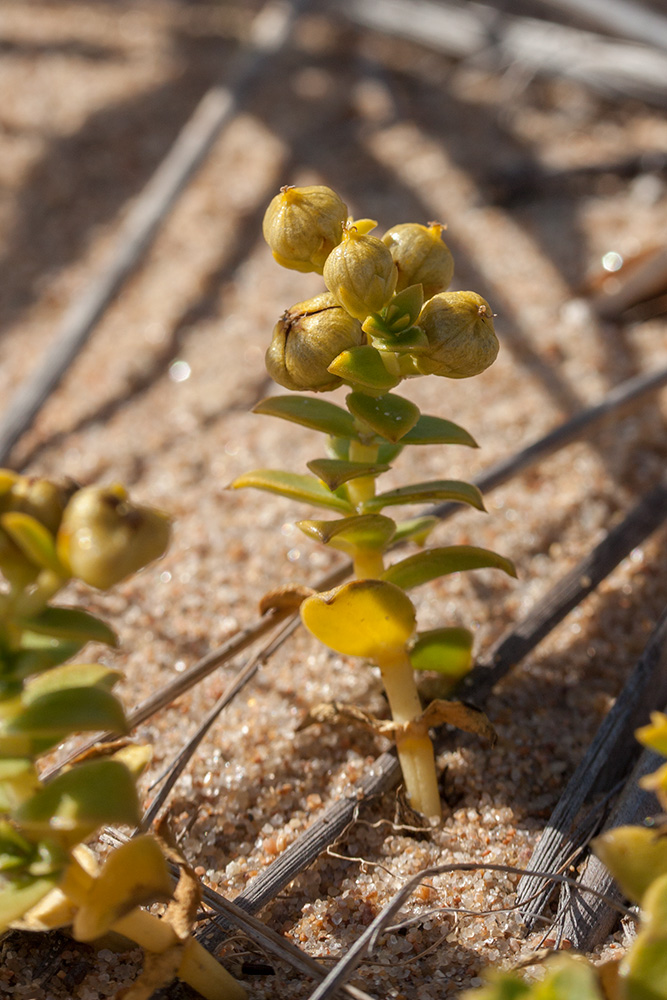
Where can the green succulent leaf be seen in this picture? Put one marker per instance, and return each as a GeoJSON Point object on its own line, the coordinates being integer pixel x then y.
{"type": "Point", "coordinates": [15, 850]}
{"type": "Point", "coordinates": [40, 652]}
{"type": "Point", "coordinates": [19, 895]}
{"type": "Point", "coordinates": [388, 415]}
{"type": "Point", "coordinates": [318, 414]}
{"type": "Point", "coordinates": [18, 781]}
{"type": "Point", "coordinates": [409, 341]}
{"type": "Point", "coordinates": [634, 855]}
{"type": "Point", "coordinates": [447, 651]}
{"type": "Point", "coordinates": [387, 452]}
{"type": "Point", "coordinates": [87, 796]}
{"type": "Point", "coordinates": [294, 487]}
{"type": "Point", "coordinates": [567, 978]}
{"type": "Point", "coordinates": [367, 618]}
{"type": "Point", "coordinates": [643, 971]}
{"type": "Point", "coordinates": [416, 529]}
{"type": "Point", "coordinates": [503, 986]}
{"type": "Point", "coordinates": [436, 430]}
{"type": "Point", "coordinates": [432, 563]}
{"type": "Point", "coordinates": [363, 366]}
{"type": "Point", "coordinates": [401, 312]}
{"type": "Point", "coordinates": [71, 624]}
{"type": "Point", "coordinates": [439, 489]}
{"type": "Point", "coordinates": [71, 675]}
{"type": "Point", "coordinates": [364, 531]}
{"type": "Point", "coordinates": [334, 472]}
{"type": "Point", "coordinates": [22, 744]}
{"type": "Point", "coordinates": [58, 713]}
{"type": "Point", "coordinates": [34, 540]}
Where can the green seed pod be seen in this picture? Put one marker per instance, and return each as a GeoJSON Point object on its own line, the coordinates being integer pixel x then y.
{"type": "Point", "coordinates": [104, 537]}
{"type": "Point", "coordinates": [421, 256]}
{"type": "Point", "coordinates": [307, 339]}
{"type": "Point", "coordinates": [302, 225]}
{"type": "Point", "coordinates": [360, 273]}
{"type": "Point", "coordinates": [462, 341]}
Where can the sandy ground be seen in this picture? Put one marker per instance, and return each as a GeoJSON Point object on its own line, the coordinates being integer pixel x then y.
{"type": "Point", "coordinates": [93, 94]}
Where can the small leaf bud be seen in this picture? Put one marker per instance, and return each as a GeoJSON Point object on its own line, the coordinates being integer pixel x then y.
{"type": "Point", "coordinates": [421, 256]}
{"type": "Point", "coordinates": [360, 272]}
{"type": "Point", "coordinates": [307, 339]}
{"type": "Point", "coordinates": [104, 537]}
{"type": "Point", "coordinates": [462, 340]}
{"type": "Point", "coordinates": [302, 225]}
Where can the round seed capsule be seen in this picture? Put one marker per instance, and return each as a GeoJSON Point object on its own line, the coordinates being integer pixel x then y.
{"type": "Point", "coordinates": [462, 340]}
{"type": "Point", "coordinates": [104, 537]}
{"type": "Point", "coordinates": [306, 340]}
{"type": "Point", "coordinates": [360, 273]}
{"type": "Point", "coordinates": [302, 225]}
{"type": "Point", "coordinates": [421, 256]}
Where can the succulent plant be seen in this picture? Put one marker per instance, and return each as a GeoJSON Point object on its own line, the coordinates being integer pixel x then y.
{"type": "Point", "coordinates": [376, 297]}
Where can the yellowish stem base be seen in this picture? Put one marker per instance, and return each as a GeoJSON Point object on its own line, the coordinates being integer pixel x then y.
{"type": "Point", "coordinates": [415, 753]}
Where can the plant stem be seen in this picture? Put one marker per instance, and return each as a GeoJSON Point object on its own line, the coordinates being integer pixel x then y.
{"type": "Point", "coordinates": [415, 752]}
{"type": "Point", "coordinates": [362, 488]}
{"type": "Point", "coordinates": [368, 564]}
{"type": "Point", "coordinates": [198, 967]}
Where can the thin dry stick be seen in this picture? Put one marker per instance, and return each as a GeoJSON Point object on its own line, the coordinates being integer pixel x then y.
{"type": "Point", "coordinates": [271, 941]}
{"type": "Point", "coordinates": [185, 754]}
{"type": "Point", "coordinates": [641, 522]}
{"type": "Point", "coordinates": [266, 938]}
{"type": "Point", "coordinates": [510, 649]}
{"type": "Point", "coordinates": [269, 32]}
{"type": "Point", "coordinates": [344, 969]}
{"type": "Point", "coordinates": [586, 923]}
{"type": "Point", "coordinates": [617, 398]}
{"type": "Point", "coordinates": [618, 17]}
{"type": "Point", "coordinates": [496, 40]}
{"type": "Point", "coordinates": [611, 754]}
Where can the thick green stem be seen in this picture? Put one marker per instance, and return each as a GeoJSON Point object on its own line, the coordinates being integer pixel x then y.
{"type": "Point", "coordinates": [415, 750]}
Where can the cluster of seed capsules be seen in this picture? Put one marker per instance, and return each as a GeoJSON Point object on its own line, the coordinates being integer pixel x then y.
{"type": "Point", "coordinates": [61, 530]}
{"type": "Point", "coordinates": [386, 315]}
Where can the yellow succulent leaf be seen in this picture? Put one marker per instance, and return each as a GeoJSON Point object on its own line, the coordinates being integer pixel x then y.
{"type": "Point", "coordinates": [643, 971]}
{"type": "Point", "coordinates": [58, 907]}
{"type": "Point", "coordinates": [657, 783]}
{"type": "Point", "coordinates": [366, 618]}
{"type": "Point", "coordinates": [655, 734]}
{"type": "Point", "coordinates": [134, 874]}
{"type": "Point", "coordinates": [135, 756]}
{"type": "Point", "coordinates": [635, 856]}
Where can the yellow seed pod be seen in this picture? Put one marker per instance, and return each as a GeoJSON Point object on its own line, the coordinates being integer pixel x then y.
{"type": "Point", "coordinates": [421, 256]}
{"type": "Point", "coordinates": [40, 498]}
{"type": "Point", "coordinates": [103, 537]}
{"type": "Point", "coordinates": [307, 339]}
{"type": "Point", "coordinates": [302, 225]}
{"type": "Point", "coordinates": [361, 273]}
{"type": "Point", "coordinates": [462, 340]}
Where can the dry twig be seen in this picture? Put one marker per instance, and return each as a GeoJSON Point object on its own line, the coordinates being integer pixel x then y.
{"type": "Point", "coordinates": [609, 757]}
